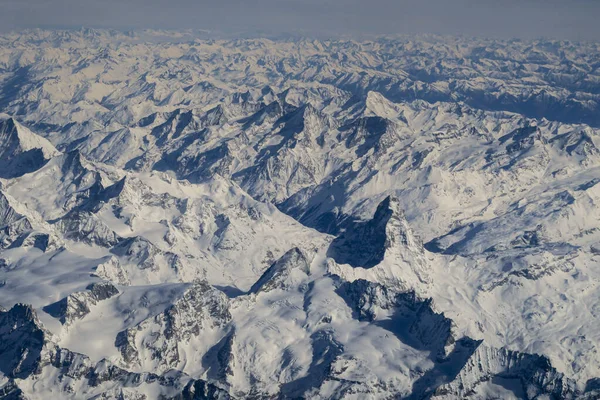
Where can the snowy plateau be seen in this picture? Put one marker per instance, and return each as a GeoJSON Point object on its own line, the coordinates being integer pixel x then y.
{"type": "Point", "coordinates": [188, 217]}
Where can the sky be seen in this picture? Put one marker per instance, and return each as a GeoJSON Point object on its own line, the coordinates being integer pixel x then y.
{"type": "Point", "coordinates": [568, 19]}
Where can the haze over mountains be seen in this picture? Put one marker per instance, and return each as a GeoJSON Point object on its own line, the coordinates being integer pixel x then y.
{"type": "Point", "coordinates": [184, 217]}
{"type": "Point", "coordinates": [527, 19]}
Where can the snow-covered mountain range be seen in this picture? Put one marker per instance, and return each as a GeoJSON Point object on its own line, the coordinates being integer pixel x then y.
{"type": "Point", "coordinates": [184, 217]}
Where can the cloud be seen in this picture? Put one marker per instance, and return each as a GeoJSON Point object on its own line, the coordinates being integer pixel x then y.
{"type": "Point", "coordinates": [575, 19]}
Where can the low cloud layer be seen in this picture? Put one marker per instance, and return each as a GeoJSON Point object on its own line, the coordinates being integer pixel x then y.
{"type": "Point", "coordinates": [575, 19]}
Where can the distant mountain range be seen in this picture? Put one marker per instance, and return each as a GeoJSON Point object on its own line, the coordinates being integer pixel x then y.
{"type": "Point", "coordinates": [184, 217]}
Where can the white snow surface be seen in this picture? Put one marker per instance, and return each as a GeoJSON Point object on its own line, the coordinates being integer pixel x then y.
{"type": "Point", "coordinates": [403, 217]}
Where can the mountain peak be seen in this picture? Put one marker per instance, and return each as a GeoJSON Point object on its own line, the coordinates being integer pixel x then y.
{"type": "Point", "coordinates": [390, 206]}
{"type": "Point", "coordinates": [21, 150]}
{"type": "Point", "coordinates": [365, 243]}
{"type": "Point", "coordinates": [11, 129]}
{"type": "Point", "coordinates": [377, 105]}
{"type": "Point", "coordinates": [13, 224]}
{"type": "Point", "coordinates": [22, 339]}
{"type": "Point", "coordinates": [278, 276]}
{"type": "Point", "coordinates": [391, 214]}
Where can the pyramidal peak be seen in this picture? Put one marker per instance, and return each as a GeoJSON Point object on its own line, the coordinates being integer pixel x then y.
{"type": "Point", "coordinates": [390, 213]}
{"type": "Point", "coordinates": [285, 272]}
{"type": "Point", "coordinates": [365, 244]}
{"type": "Point", "coordinates": [21, 150]}
{"type": "Point", "coordinates": [12, 131]}
{"type": "Point", "coordinates": [377, 105]}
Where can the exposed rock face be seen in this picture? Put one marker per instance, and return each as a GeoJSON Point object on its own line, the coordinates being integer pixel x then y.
{"type": "Point", "coordinates": [110, 269]}
{"type": "Point", "coordinates": [27, 352]}
{"type": "Point", "coordinates": [141, 254]}
{"type": "Point", "coordinates": [12, 224]}
{"type": "Point", "coordinates": [10, 391]}
{"type": "Point", "coordinates": [22, 343]}
{"type": "Point", "coordinates": [158, 340]}
{"type": "Point", "coordinates": [201, 390]}
{"type": "Point", "coordinates": [283, 272]}
{"type": "Point", "coordinates": [85, 227]}
{"type": "Point", "coordinates": [77, 305]}
{"type": "Point", "coordinates": [432, 330]}
{"type": "Point", "coordinates": [37, 240]}
{"type": "Point", "coordinates": [468, 363]}
{"type": "Point", "coordinates": [20, 227]}
{"type": "Point", "coordinates": [21, 150]}
{"type": "Point", "coordinates": [386, 236]}
{"type": "Point", "coordinates": [533, 372]}
{"type": "Point", "coordinates": [212, 237]}
{"type": "Point", "coordinates": [365, 244]}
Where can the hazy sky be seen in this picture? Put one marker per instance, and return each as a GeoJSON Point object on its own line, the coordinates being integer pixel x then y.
{"type": "Point", "coordinates": [569, 19]}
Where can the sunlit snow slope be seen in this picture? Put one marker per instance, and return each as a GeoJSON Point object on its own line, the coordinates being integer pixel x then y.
{"type": "Point", "coordinates": [183, 217]}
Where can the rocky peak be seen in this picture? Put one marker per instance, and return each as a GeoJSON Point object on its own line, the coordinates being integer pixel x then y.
{"type": "Point", "coordinates": [110, 268]}
{"type": "Point", "coordinates": [13, 133]}
{"type": "Point", "coordinates": [365, 243]}
{"type": "Point", "coordinates": [370, 133]}
{"type": "Point", "coordinates": [239, 98]}
{"type": "Point", "coordinates": [390, 213]}
{"type": "Point", "coordinates": [578, 143]}
{"type": "Point", "coordinates": [21, 150]}
{"type": "Point", "coordinates": [268, 94]}
{"type": "Point", "coordinates": [239, 105]}
{"type": "Point", "coordinates": [365, 297]}
{"type": "Point", "coordinates": [533, 373]}
{"type": "Point", "coordinates": [305, 125]}
{"type": "Point", "coordinates": [22, 339]}
{"type": "Point", "coordinates": [431, 329]}
{"type": "Point", "coordinates": [216, 116]}
{"type": "Point", "coordinates": [315, 122]}
{"type": "Point", "coordinates": [21, 228]}
{"type": "Point", "coordinates": [177, 123]}
{"type": "Point", "coordinates": [208, 306]}
{"type": "Point", "coordinates": [202, 308]}
{"type": "Point", "coordinates": [270, 112]}
{"type": "Point", "coordinates": [39, 240]}
{"type": "Point", "coordinates": [139, 251]}
{"type": "Point", "coordinates": [522, 138]}
{"type": "Point", "coordinates": [376, 105]}
{"type": "Point", "coordinates": [86, 227]}
{"type": "Point", "coordinates": [286, 272]}
{"type": "Point", "coordinates": [114, 190]}
{"type": "Point", "coordinates": [8, 214]}
{"type": "Point", "coordinates": [72, 163]}
{"type": "Point", "coordinates": [27, 351]}
{"type": "Point", "coordinates": [77, 305]}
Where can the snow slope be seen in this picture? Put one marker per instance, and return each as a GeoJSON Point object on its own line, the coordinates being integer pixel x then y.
{"type": "Point", "coordinates": [189, 217]}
